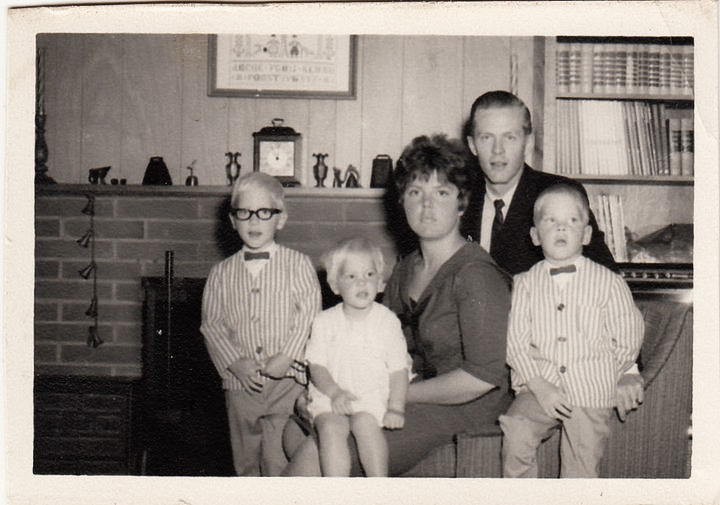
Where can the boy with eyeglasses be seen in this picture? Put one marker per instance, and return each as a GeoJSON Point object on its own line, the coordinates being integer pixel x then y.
{"type": "Point", "coordinates": [258, 306]}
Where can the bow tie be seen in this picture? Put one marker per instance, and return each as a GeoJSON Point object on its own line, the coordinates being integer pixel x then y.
{"type": "Point", "coordinates": [567, 269]}
{"type": "Point", "coordinates": [256, 256]}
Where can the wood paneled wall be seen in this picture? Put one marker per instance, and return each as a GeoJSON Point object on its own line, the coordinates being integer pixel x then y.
{"type": "Point", "coordinates": [119, 99]}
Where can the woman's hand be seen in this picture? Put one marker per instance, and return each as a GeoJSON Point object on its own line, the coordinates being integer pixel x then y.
{"type": "Point", "coordinates": [394, 419]}
{"type": "Point", "coordinates": [341, 402]}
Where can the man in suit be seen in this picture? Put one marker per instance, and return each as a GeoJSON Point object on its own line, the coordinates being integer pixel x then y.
{"type": "Point", "coordinates": [499, 135]}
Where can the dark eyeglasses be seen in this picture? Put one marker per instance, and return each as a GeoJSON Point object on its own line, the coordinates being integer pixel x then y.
{"type": "Point", "coordinates": [263, 214]}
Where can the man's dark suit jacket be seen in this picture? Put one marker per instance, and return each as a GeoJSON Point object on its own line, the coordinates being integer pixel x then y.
{"type": "Point", "coordinates": [514, 251]}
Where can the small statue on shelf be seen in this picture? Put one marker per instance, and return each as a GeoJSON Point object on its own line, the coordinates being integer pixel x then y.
{"type": "Point", "coordinates": [232, 169]}
{"type": "Point", "coordinates": [191, 179]}
{"type": "Point", "coordinates": [320, 170]}
{"type": "Point", "coordinates": [97, 175]}
{"type": "Point", "coordinates": [352, 177]}
{"type": "Point", "coordinates": [337, 180]}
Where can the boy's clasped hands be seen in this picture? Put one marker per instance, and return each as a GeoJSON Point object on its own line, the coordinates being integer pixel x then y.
{"type": "Point", "coordinates": [249, 371]}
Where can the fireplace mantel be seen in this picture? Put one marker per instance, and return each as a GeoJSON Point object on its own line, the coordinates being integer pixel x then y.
{"type": "Point", "coordinates": [195, 191]}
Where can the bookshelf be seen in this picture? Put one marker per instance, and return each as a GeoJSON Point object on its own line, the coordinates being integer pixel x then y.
{"type": "Point", "coordinates": [618, 116]}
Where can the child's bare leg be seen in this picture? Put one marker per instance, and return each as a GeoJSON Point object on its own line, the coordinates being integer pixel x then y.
{"type": "Point", "coordinates": [371, 443]}
{"type": "Point", "coordinates": [333, 430]}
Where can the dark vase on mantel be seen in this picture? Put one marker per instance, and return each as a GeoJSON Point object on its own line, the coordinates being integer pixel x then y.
{"type": "Point", "coordinates": [156, 173]}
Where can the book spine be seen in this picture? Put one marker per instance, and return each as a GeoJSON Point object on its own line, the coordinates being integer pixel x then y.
{"type": "Point", "coordinates": [618, 227]}
{"type": "Point", "coordinates": [687, 147]}
{"type": "Point", "coordinates": [662, 139]}
{"type": "Point", "coordinates": [642, 65]}
{"type": "Point", "coordinates": [560, 162]}
{"type": "Point", "coordinates": [676, 70]}
{"type": "Point", "coordinates": [688, 66]}
{"type": "Point", "coordinates": [653, 151]}
{"type": "Point", "coordinates": [575, 152]}
{"type": "Point", "coordinates": [665, 70]}
{"type": "Point", "coordinates": [609, 232]}
{"type": "Point", "coordinates": [598, 75]}
{"type": "Point", "coordinates": [562, 66]}
{"type": "Point", "coordinates": [621, 68]}
{"type": "Point", "coordinates": [608, 66]}
{"type": "Point", "coordinates": [633, 69]}
{"type": "Point", "coordinates": [631, 132]}
{"type": "Point", "coordinates": [586, 68]}
{"type": "Point", "coordinates": [674, 132]}
{"type": "Point", "coordinates": [622, 146]}
{"type": "Point", "coordinates": [575, 67]}
{"type": "Point", "coordinates": [653, 69]}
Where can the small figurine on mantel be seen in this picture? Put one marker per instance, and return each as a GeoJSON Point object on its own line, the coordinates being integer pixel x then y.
{"type": "Point", "coordinates": [232, 169]}
{"type": "Point", "coordinates": [191, 179]}
{"type": "Point", "coordinates": [337, 180]}
{"type": "Point", "coordinates": [97, 175]}
{"type": "Point", "coordinates": [351, 179]}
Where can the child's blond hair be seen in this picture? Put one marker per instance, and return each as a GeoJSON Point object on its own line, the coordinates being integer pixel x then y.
{"type": "Point", "coordinates": [259, 181]}
{"type": "Point", "coordinates": [333, 259]}
{"type": "Point", "coordinates": [562, 189]}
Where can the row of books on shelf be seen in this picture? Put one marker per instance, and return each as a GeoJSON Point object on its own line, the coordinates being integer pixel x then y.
{"type": "Point", "coordinates": [609, 215]}
{"type": "Point", "coordinates": [628, 138]}
{"type": "Point", "coordinates": [644, 69]}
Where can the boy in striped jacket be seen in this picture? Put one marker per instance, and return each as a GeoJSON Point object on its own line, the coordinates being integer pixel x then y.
{"type": "Point", "coordinates": [258, 306]}
{"type": "Point", "coordinates": [574, 332]}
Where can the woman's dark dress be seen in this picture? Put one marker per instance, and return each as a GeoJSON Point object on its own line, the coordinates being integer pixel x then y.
{"type": "Point", "coordinates": [459, 321]}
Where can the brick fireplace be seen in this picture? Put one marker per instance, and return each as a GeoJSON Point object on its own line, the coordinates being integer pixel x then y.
{"type": "Point", "coordinates": [135, 225]}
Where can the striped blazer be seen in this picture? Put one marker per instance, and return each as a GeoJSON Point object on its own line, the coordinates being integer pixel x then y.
{"type": "Point", "coordinates": [257, 317]}
{"type": "Point", "coordinates": [581, 337]}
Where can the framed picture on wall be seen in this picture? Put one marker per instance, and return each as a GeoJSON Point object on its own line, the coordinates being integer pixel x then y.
{"type": "Point", "coordinates": [282, 65]}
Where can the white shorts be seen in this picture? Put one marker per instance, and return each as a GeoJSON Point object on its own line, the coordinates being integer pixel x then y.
{"type": "Point", "coordinates": [320, 404]}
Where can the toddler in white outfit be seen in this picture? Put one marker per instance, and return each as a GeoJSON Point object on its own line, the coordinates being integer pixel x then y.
{"type": "Point", "coordinates": [358, 363]}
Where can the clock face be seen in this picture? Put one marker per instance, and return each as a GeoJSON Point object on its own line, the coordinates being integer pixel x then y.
{"type": "Point", "coordinates": [277, 158]}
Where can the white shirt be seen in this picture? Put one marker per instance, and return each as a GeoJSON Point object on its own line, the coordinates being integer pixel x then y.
{"type": "Point", "coordinates": [359, 355]}
{"type": "Point", "coordinates": [488, 213]}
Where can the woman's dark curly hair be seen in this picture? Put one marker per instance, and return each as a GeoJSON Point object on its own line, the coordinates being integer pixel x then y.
{"type": "Point", "coordinates": [425, 155]}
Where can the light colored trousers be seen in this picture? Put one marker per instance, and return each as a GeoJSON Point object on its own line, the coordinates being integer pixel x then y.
{"type": "Point", "coordinates": [582, 442]}
{"type": "Point", "coordinates": [256, 424]}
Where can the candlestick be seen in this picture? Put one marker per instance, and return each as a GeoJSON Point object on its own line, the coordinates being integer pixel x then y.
{"type": "Point", "coordinates": [40, 84]}
{"type": "Point", "coordinates": [41, 148]}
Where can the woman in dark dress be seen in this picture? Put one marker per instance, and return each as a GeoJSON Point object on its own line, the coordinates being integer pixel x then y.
{"type": "Point", "coordinates": [453, 302]}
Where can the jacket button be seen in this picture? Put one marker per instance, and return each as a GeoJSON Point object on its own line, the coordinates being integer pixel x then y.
{"type": "Point", "coordinates": [563, 369]}
{"type": "Point", "coordinates": [562, 339]}
{"type": "Point", "coordinates": [561, 306]}
{"type": "Point", "coordinates": [255, 291]}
